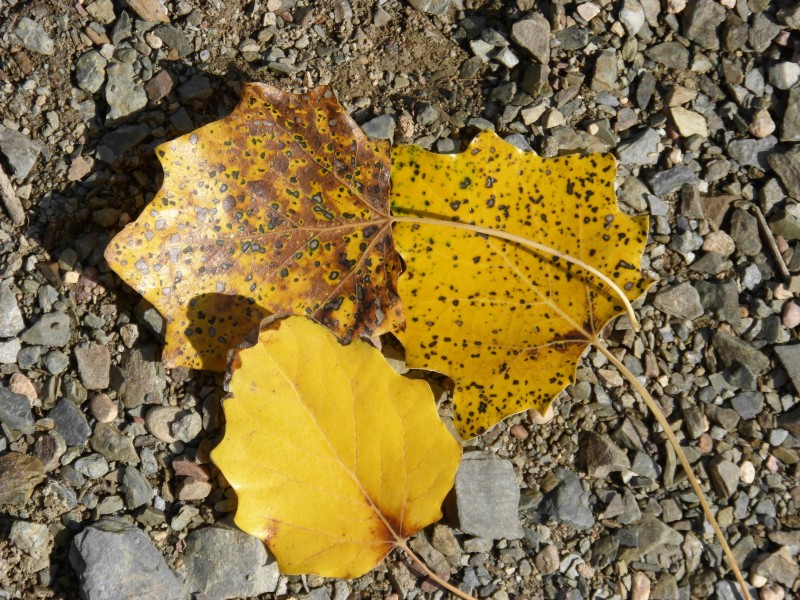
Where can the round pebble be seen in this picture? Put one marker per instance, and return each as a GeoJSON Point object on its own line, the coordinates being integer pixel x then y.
{"type": "Point", "coordinates": [103, 408]}
{"type": "Point", "coordinates": [194, 489]}
{"type": "Point", "coordinates": [158, 421]}
{"type": "Point", "coordinates": [791, 315]}
{"type": "Point", "coordinates": [547, 560]}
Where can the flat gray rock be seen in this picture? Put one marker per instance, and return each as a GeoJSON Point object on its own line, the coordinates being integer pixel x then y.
{"type": "Point", "coordinates": [671, 180]}
{"type": "Point", "coordinates": [790, 128]}
{"type": "Point", "coordinates": [533, 34]}
{"type": "Point", "coordinates": [94, 365]}
{"type": "Point", "coordinates": [136, 490]}
{"type": "Point", "coordinates": [20, 151]}
{"type": "Point", "coordinates": [732, 350]}
{"type": "Point", "coordinates": [15, 411]}
{"type": "Point", "coordinates": [380, 128]}
{"type": "Point", "coordinates": [113, 445]}
{"type": "Point", "coordinates": [11, 322]}
{"type": "Point", "coordinates": [567, 503]}
{"type": "Point", "coordinates": [680, 301]}
{"type": "Point", "coordinates": [748, 404]}
{"type": "Point", "coordinates": [700, 21]}
{"type": "Point", "coordinates": [52, 330]}
{"type": "Point", "coordinates": [651, 534]}
{"type": "Point", "coordinates": [787, 166]}
{"type": "Point", "coordinates": [790, 359]}
{"type": "Point", "coordinates": [123, 94]}
{"type": "Point", "coordinates": [751, 152]}
{"type": "Point", "coordinates": [33, 37]}
{"type": "Point", "coordinates": [642, 149]}
{"type": "Point", "coordinates": [600, 455]}
{"type": "Point", "coordinates": [670, 54]}
{"type": "Point", "coordinates": [70, 422]}
{"type": "Point", "coordinates": [487, 497]}
{"type": "Point", "coordinates": [115, 560]}
{"type": "Point", "coordinates": [90, 71]}
{"type": "Point", "coordinates": [222, 563]}
{"type": "Point", "coordinates": [141, 378]}
{"type": "Point", "coordinates": [432, 7]}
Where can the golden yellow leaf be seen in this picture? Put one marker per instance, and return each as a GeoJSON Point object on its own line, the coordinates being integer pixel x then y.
{"type": "Point", "coordinates": [335, 458]}
{"type": "Point", "coordinates": [280, 208]}
{"type": "Point", "coordinates": [506, 323]}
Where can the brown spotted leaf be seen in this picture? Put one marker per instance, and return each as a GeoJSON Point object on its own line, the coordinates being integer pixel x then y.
{"type": "Point", "coordinates": [506, 323]}
{"type": "Point", "coordinates": [280, 208]}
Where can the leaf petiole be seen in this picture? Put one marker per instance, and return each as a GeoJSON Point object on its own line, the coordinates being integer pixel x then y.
{"type": "Point", "coordinates": [516, 239]}
{"type": "Point", "coordinates": [433, 576]}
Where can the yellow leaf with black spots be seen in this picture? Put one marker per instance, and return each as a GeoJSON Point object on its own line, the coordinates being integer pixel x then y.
{"type": "Point", "coordinates": [508, 324]}
{"type": "Point", "coordinates": [335, 458]}
{"type": "Point", "coordinates": [279, 208]}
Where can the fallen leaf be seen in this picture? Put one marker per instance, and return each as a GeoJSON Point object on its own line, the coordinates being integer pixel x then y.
{"type": "Point", "coordinates": [335, 458]}
{"type": "Point", "coordinates": [506, 323]}
{"type": "Point", "coordinates": [280, 208]}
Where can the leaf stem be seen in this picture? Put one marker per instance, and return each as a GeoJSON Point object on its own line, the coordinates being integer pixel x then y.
{"type": "Point", "coordinates": [662, 420]}
{"type": "Point", "coordinates": [433, 576]}
{"type": "Point", "coordinates": [522, 241]}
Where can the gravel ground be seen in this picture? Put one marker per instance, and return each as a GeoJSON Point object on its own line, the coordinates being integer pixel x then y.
{"type": "Point", "coordinates": [105, 483]}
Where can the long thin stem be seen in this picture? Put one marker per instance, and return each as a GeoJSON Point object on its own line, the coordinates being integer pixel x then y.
{"type": "Point", "coordinates": [662, 420]}
{"type": "Point", "coordinates": [510, 237]}
{"type": "Point", "coordinates": [439, 581]}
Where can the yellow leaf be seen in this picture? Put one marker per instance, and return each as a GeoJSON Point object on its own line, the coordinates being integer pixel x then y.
{"type": "Point", "coordinates": [506, 323]}
{"type": "Point", "coordinates": [279, 208]}
{"type": "Point", "coordinates": [334, 457]}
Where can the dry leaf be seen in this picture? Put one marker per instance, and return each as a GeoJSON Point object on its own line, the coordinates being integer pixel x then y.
{"type": "Point", "coordinates": [335, 458]}
{"type": "Point", "coordinates": [280, 208]}
{"type": "Point", "coordinates": [508, 324]}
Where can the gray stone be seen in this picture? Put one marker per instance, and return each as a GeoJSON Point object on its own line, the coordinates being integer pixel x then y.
{"type": "Point", "coordinates": [671, 180]}
{"type": "Point", "coordinates": [762, 31]}
{"type": "Point", "coordinates": [752, 152]}
{"type": "Point", "coordinates": [724, 477]}
{"type": "Point", "coordinates": [786, 222]}
{"type": "Point", "coordinates": [197, 88]}
{"type": "Point", "coordinates": [784, 75]}
{"type": "Point", "coordinates": [700, 21]}
{"type": "Point", "coordinates": [116, 143]}
{"type": "Point", "coordinates": [123, 95]}
{"type": "Point", "coordinates": [55, 361]}
{"type": "Point", "coordinates": [380, 128]}
{"type": "Point", "coordinates": [605, 71]}
{"type": "Point", "coordinates": [573, 38]}
{"type": "Point", "coordinates": [721, 299]}
{"type": "Point", "coordinates": [631, 15]}
{"type": "Point", "coordinates": [600, 455]}
{"type": "Point", "coordinates": [15, 411]}
{"type": "Point", "coordinates": [778, 567]}
{"type": "Point", "coordinates": [92, 466]}
{"type": "Point", "coordinates": [70, 422]}
{"type": "Point", "coordinates": [174, 38]}
{"type": "Point", "coordinates": [642, 149]}
{"type": "Point", "coordinates": [33, 539]}
{"type": "Point", "coordinates": [53, 329]}
{"type": "Point", "coordinates": [141, 378]}
{"type": "Point", "coordinates": [787, 167]}
{"type": "Point", "coordinates": [734, 33]}
{"type": "Point", "coordinates": [135, 488]}
{"type": "Point", "coordinates": [533, 34]}
{"type": "Point", "coordinates": [487, 497]}
{"type": "Point", "coordinates": [567, 503]}
{"type": "Point", "coordinates": [90, 71]}
{"type": "Point", "coordinates": [223, 563]}
{"type": "Point", "coordinates": [748, 404]}
{"type": "Point", "coordinates": [102, 11]}
{"type": "Point", "coordinates": [645, 89]}
{"type": "Point", "coordinates": [744, 231]}
{"type": "Point", "coordinates": [670, 54]}
{"type": "Point", "coordinates": [9, 350]}
{"type": "Point", "coordinates": [680, 301]}
{"type": "Point", "coordinates": [790, 359]}
{"type": "Point", "coordinates": [650, 534]}
{"type": "Point", "coordinates": [790, 128]}
{"type": "Point", "coordinates": [33, 37]}
{"type": "Point", "coordinates": [94, 365]}
{"type": "Point", "coordinates": [115, 560]}
{"type": "Point", "coordinates": [732, 350]}
{"type": "Point", "coordinates": [11, 322]}
{"type": "Point", "coordinates": [20, 151]}
{"type": "Point", "coordinates": [113, 445]}
{"type": "Point", "coordinates": [432, 7]}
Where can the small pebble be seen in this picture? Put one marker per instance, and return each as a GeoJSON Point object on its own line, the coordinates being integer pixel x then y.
{"type": "Point", "coordinates": [547, 561]}
{"type": "Point", "coordinates": [103, 408]}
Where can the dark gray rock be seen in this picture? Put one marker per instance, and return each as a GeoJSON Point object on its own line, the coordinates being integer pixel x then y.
{"type": "Point", "coordinates": [55, 361]}
{"type": "Point", "coordinates": [721, 299]}
{"type": "Point", "coordinates": [115, 560]}
{"type": "Point", "coordinates": [671, 180]}
{"type": "Point", "coordinates": [670, 54]}
{"type": "Point", "coordinates": [94, 365]}
{"type": "Point", "coordinates": [123, 94]}
{"type": "Point", "coordinates": [20, 151]}
{"type": "Point", "coordinates": [790, 359]}
{"type": "Point", "coordinates": [141, 378]}
{"type": "Point", "coordinates": [748, 404]}
{"type": "Point", "coordinates": [779, 567]}
{"type": "Point", "coordinates": [680, 301]}
{"type": "Point", "coordinates": [197, 88]}
{"type": "Point", "coordinates": [700, 21]}
{"type": "Point", "coordinates": [762, 31]}
{"type": "Point", "coordinates": [573, 38]}
{"type": "Point", "coordinates": [732, 350]}
{"type": "Point", "coordinates": [223, 563]}
{"type": "Point", "coordinates": [734, 33]}
{"type": "Point", "coordinates": [70, 422]}
{"type": "Point", "coordinates": [90, 71]}
{"type": "Point", "coordinates": [136, 490]}
{"type": "Point", "coordinates": [487, 497]}
{"type": "Point", "coordinates": [113, 445]}
{"type": "Point", "coordinates": [174, 38]}
{"type": "Point", "coordinates": [724, 477]}
{"type": "Point", "coordinates": [787, 166]}
{"type": "Point", "coordinates": [642, 149]}
{"type": "Point", "coordinates": [33, 37]}
{"type": "Point", "coordinates": [11, 322]}
{"type": "Point", "coordinates": [605, 71]}
{"type": "Point", "coordinates": [567, 503]}
{"type": "Point", "coordinates": [432, 7]}
{"type": "Point", "coordinates": [786, 222]}
{"type": "Point", "coordinates": [52, 330]}
{"type": "Point", "coordinates": [533, 34]}
{"type": "Point", "coordinates": [650, 534]}
{"type": "Point", "coordinates": [744, 231]}
{"type": "Point", "coordinates": [116, 143]}
{"type": "Point", "coordinates": [15, 411]}
{"type": "Point", "coordinates": [751, 152]}
{"type": "Point", "coordinates": [790, 127]}
{"type": "Point", "coordinates": [600, 455]}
